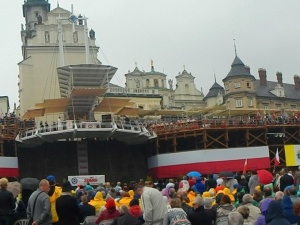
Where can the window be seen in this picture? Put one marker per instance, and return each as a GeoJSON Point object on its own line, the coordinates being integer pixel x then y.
{"type": "Point", "coordinates": [141, 107]}
{"type": "Point", "coordinates": [187, 88]}
{"type": "Point", "coordinates": [155, 83]}
{"type": "Point", "coordinates": [162, 83]}
{"type": "Point", "coordinates": [280, 94]}
{"type": "Point", "coordinates": [227, 87]}
{"type": "Point", "coordinates": [147, 83]}
{"type": "Point", "coordinates": [248, 85]}
{"type": "Point", "coordinates": [239, 103]}
{"type": "Point", "coordinates": [293, 106]}
{"type": "Point", "coordinates": [47, 36]}
{"type": "Point", "coordinates": [237, 85]}
{"type": "Point", "coordinates": [266, 106]}
{"type": "Point", "coordinates": [278, 106]}
{"type": "Point", "coordinates": [250, 102]}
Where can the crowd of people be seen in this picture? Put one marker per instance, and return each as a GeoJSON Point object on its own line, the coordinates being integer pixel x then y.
{"type": "Point", "coordinates": [241, 199]}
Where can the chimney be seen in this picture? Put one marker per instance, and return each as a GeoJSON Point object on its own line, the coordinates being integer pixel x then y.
{"type": "Point", "coordinates": [262, 76]}
{"type": "Point", "coordinates": [248, 69]}
{"type": "Point", "coordinates": [297, 82]}
{"type": "Point", "coordinates": [279, 78]}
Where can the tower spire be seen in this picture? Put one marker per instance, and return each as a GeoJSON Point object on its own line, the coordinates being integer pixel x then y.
{"type": "Point", "coordinates": [234, 46]}
{"type": "Point", "coordinates": [215, 76]}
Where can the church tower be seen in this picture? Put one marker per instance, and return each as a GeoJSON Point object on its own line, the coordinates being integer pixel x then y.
{"type": "Point", "coordinates": [35, 12]}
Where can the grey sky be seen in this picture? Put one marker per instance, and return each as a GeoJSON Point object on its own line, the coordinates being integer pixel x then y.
{"type": "Point", "coordinates": [194, 33]}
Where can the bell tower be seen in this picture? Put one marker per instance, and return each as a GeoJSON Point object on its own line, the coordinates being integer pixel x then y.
{"type": "Point", "coordinates": [35, 12]}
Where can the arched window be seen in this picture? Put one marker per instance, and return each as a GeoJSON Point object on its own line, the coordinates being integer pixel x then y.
{"type": "Point", "coordinates": [187, 89]}
{"type": "Point", "coordinates": [47, 37]}
{"type": "Point", "coordinates": [162, 83]}
{"type": "Point", "coordinates": [147, 83]}
{"type": "Point", "coordinates": [155, 82]}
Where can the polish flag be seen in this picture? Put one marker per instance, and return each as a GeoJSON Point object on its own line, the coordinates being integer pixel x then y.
{"type": "Point", "coordinates": [245, 167]}
{"type": "Point", "coordinates": [9, 167]}
{"type": "Point", "coordinates": [276, 159]}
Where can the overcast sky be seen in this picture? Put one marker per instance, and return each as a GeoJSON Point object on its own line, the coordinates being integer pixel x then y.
{"type": "Point", "coordinates": [195, 33]}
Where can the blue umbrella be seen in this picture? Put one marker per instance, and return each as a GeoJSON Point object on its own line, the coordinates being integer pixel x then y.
{"type": "Point", "coordinates": [194, 174]}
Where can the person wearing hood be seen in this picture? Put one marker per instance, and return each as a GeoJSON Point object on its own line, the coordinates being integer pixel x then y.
{"type": "Point", "coordinates": [275, 214]}
{"type": "Point", "coordinates": [261, 220]}
{"type": "Point", "coordinates": [110, 212]}
{"type": "Point", "coordinates": [184, 184]}
{"type": "Point", "coordinates": [53, 193]}
{"type": "Point", "coordinates": [166, 191]}
{"type": "Point", "coordinates": [227, 192]}
{"type": "Point", "coordinates": [199, 187]}
{"type": "Point", "coordinates": [191, 196]}
{"type": "Point", "coordinates": [135, 209]}
{"type": "Point", "coordinates": [288, 207]}
{"type": "Point", "coordinates": [66, 206]}
{"type": "Point", "coordinates": [98, 201]}
{"type": "Point", "coordinates": [124, 200]}
{"type": "Point", "coordinates": [253, 182]}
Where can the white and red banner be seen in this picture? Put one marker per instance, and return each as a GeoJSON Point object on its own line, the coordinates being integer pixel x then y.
{"type": "Point", "coordinates": [83, 180]}
{"type": "Point", "coordinates": [9, 167]}
{"type": "Point", "coordinates": [276, 159]}
{"type": "Point", "coordinates": [209, 161]}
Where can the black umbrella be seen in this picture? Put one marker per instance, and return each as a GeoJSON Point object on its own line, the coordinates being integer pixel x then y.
{"type": "Point", "coordinates": [29, 183]}
{"type": "Point", "coordinates": [227, 174]}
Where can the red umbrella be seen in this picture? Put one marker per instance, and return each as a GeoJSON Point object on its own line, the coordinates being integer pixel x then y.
{"type": "Point", "coordinates": [264, 176]}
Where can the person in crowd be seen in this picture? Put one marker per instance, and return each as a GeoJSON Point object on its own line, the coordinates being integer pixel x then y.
{"type": "Point", "coordinates": [297, 178]}
{"type": "Point", "coordinates": [98, 201]}
{"type": "Point", "coordinates": [285, 179]}
{"type": "Point", "coordinates": [254, 211]}
{"type": "Point", "coordinates": [261, 220]}
{"type": "Point", "coordinates": [175, 214]}
{"type": "Point", "coordinates": [226, 191]}
{"type": "Point", "coordinates": [288, 210]}
{"type": "Point", "coordinates": [135, 209]}
{"type": "Point", "coordinates": [229, 182]}
{"type": "Point", "coordinates": [7, 203]}
{"type": "Point", "coordinates": [184, 184]}
{"type": "Point", "coordinates": [253, 182]}
{"type": "Point", "coordinates": [235, 218]}
{"type": "Point", "coordinates": [153, 205]}
{"type": "Point", "coordinates": [86, 209]}
{"type": "Point", "coordinates": [239, 199]}
{"type": "Point", "coordinates": [210, 183]}
{"type": "Point", "coordinates": [54, 193]}
{"type": "Point", "coordinates": [245, 212]}
{"type": "Point", "coordinates": [67, 207]}
{"type": "Point", "coordinates": [118, 187]}
{"type": "Point", "coordinates": [182, 195]}
{"type": "Point", "coordinates": [244, 183]}
{"type": "Point", "coordinates": [124, 200]}
{"type": "Point", "coordinates": [267, 194]}
{"type": "Point", "coordinates": [20, 211]}
{"type": "Point", "coordinates": [41, 214]}
{"type": "Point", "coordinates": [207, 203]}
{"type": "Point", "coordinates": [275, 214]}
{"type": "Point", "coordinates": [126, 218]}
{"type": "Point", "coordinates": [166, 190]}
{"type": "Point", "coordinates": [224, 209]}
{"type": "Point", "coordinates": [199, 216]}
{"type": "Point", "coordinates": [279, 196]}
{"type": "Point", "coordinates": [199, 186]}
{"type": "Point", "coordinates": [216, 204]}
{"type": "Point", "coordinates": [257, 197]}
{"type": "Point", "coordinates": [292, 192]}
{"type": "Point", "coordinates": [79, 192]}
{"type": "Point", "coordinates": [110, 211]}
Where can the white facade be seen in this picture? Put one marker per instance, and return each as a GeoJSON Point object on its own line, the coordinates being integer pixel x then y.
{"type": "Point", "coordinates": [185, 96]}
{"type": "Point", "coordinates": [38, 78]}
{"type": "Point", "coordinates": [4, 105]}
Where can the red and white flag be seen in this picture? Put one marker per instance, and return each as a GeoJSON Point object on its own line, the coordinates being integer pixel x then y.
{"type": "Point", "coordinates": [245, 167]}
{"type": "Point", "coordinates": [276, 159]}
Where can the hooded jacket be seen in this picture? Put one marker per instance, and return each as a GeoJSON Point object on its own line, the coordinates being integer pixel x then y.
{"type": "Point", "coordinates": [253, 182]}
{"type": "Point", "coordinates": [199, 187]}
{"type": "Point", "coordinates": [98, 201]}
{"type": "Point", "coordinates": [287, 207]}
{"type": "Point", "coordinates": [275, 214]}
{"type": "Point", "coordinates": [53, 197]}
{"type": "Point", "coordinates": [261, 220]}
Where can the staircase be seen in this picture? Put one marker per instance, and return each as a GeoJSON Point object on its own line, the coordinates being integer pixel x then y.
{"type": "Point", "coordinates": [82, 156]}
